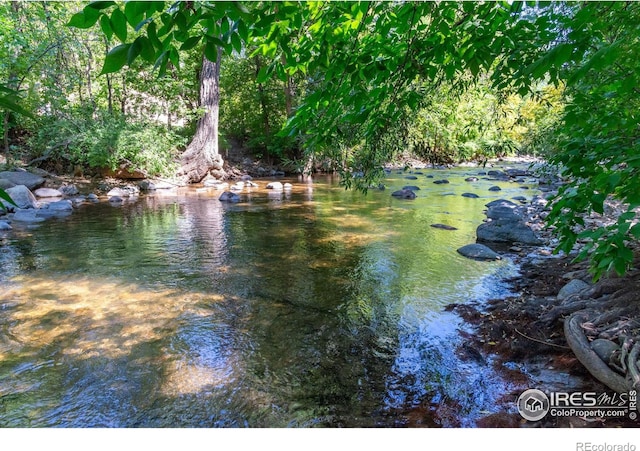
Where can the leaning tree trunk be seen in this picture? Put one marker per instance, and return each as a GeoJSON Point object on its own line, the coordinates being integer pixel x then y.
{"type": "Point", "coordinates": [202, 156]}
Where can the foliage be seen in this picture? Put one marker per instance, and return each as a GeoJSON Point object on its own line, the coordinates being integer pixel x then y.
{"type": "Point", "coordinates": [81, 137]}
{"type": "Point", "coordinates": [599, 139]}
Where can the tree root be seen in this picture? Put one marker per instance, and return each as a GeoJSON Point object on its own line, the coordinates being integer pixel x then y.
{"type": "Point", "coordinates": [579, 344]}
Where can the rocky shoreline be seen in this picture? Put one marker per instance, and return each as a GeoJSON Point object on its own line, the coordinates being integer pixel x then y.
{"type": "Point", "coordinates": [530, 337]}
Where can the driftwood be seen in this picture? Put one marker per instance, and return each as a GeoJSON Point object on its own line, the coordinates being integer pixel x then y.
{"type": "Point", "coordinates": [579, 344]}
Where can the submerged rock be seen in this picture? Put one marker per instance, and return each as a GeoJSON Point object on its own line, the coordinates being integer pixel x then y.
{"type": "Point", "coordinates": [28, 216]}
{"type": "Point", "coordinates": [443, 226]}
{"type": "Point", "coordinates": [404, 194]}
{"type": "Point", "coordinates": [495, 188]}
{"type": "Point", "coordinates": [470, 195]}
{"type": "Point", "coordinates": [441, 182]}
{"type": "Point", "coordinates": [411, 188]}
{"type": "Point", "coordinates": [478, 252]}
{"type": "Point", "coordinates": [229, 196]}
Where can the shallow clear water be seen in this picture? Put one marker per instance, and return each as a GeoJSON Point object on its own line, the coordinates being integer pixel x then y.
{"type": "Point", "coordinates": [315, 307]}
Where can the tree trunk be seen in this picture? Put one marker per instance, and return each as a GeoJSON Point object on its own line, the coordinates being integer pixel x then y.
{"type": "Point", "coordinates": [202, 155]}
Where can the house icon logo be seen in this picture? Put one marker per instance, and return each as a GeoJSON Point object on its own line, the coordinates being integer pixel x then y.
{"type": "Point", "coordinates": [533, 404]}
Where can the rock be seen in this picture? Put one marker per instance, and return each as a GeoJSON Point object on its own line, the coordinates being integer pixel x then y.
{"type": "Point", "coordinates": [61, 205]}
{"type": "Point", "coordinates": [604, 348]}
{"type": "Point", "coordinates": [504, 212]}
{"type": "Point", "coordinates": [31, 181]}
{"type": "Point", "coordinates": [116, 200]}
{"type": "Point", "coordinates": [411, 177]}
{"type": "Point", "coordinates": [495, 188]}
{"type": "Point", "coordinates": [520, 199]}
{"type": "Point", "coordinates": [471, 179]}
{"type": "Point", "coordinates": [498, 174]}
{"type": "Point", "coordinates": [147, 185]}
{"type": "Point", "coordinates": [4, 225]}
{"type": "Point", "coordinates": [238, 186]}
{"type": "Point", "coordinates": [514, 172]}
{"type": "Point", "coordinates": [507, 231]}
{"type": "Point", "coordinates": [444, 227]}
{"type": "Point", "coordinates": [576, 286]}
{"type": "Point", "coordinates": [57, 209]}
{"type": "Point", "coordinates": [251, 184]}
{"type": "Point", "coordinates": [47, 192]}
{"type": "Point", "coordinates": [125, 191]}
{"type": "Point", "coordinates": [275, 186]}
{"type": "Point", "coordinates": [5, 184]}
{"type": "Point", "coordinates": [246, 178]}
{"type": "Point", "coordinates": [470, 195]}
{"type": "Point", "coordinates": [92, 197]}
{"type": "Point", "coordinates": [229, 196]}
{"type": "Point", "coordinates": [404, 194]}
{"type": "Point", "coordinates": [22, 197]}
{"type": "Point", "coordinates": [411, 188]}
{"type": "Point", "coordinates": [441, 182]}
{"type": "Point", "coordinates": [29, 216]}
{"type": "Point", "coordinates": [478, 252]}
{"type": "Point", "coordinates": [502, 203]}
{"type": "Point", "coordinates": [288, 186]}
{"type": "Point", "coordinates": [69, 190]}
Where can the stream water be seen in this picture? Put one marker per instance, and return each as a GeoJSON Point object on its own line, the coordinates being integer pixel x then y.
{"type": "Point", "coordinates": [314, 307]}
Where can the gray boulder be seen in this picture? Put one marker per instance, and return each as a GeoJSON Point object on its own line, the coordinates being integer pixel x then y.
{"type": "Point", "coordinates": [504, 212]}
{"type": "Point", "coordinates": [57, 209]}
{"type": "Point", "coordinates": [28, 216]}
{"type": "Point", "coordinates": [27, 179]}
{"type": "Point", "coordinates": [470, 195]}
{"type": "Point", "coordinates": [507, 231]}
{"type": "Point", "coordinates": [411, 188]}
{"type": "Point", "coordinates": [4, 184]}
{"type": "Point", "coordinates": [69, 190]}
{"type": "Point", "coordinates": [502, 203]}
{"type": "Point", "coordinates": [228, 196]}
{"type": "Point", "coordinates": [495, 188]}
{"type": "Point", "coordinates": [4, 225]}
{"type": "Point", "coordinates": [441, 182]}
{"type": "Point", "coordinates": [22, 197]}
{"type": "Point", "coordinates": [576, 286]}
{"type": "Point", "coordinates": [404, 194]}
{"type": "Point", "coordinates": [47, 192]}
{"type": "Point", "coordinates": [478, 252]}
{"type": "Point", "coordinates": [275, 186]}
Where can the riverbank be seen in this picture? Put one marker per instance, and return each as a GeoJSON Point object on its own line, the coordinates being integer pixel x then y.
{"type": "Point", "coordinates": [527, 339]}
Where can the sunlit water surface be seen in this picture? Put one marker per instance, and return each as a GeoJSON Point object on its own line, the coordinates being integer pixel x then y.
{"type": "Point", "coordinates": [315, 307]}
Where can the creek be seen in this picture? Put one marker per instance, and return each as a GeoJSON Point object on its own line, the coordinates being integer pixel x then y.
{"type": "Point", "coordinates": [315, 307]}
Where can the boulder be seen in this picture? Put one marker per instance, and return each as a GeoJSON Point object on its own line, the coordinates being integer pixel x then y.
{"type": "Point", "coordinates": [504, 212]}
{"type": "Point", "coordinates": [92, 197]}
{"type": "Point", "coordinates": [116, 200]}
{"type": "Point", "coordinates": [411, 188]}
{"type": "Point", "coordinates": [275, 186]}
{"type": "Point", "coordinates": [28, 216]}
{"type": "Point", "coordinates": [441, 182]}
{"type": "Point", "coordinates": [478, 252]}
{"type": "Point", "coordinates": [502, 203]}
{"type": "Point", "coordinates": [495, 188]}
{"type": "Point", "coordinates": [470, 195]}
{"type": "Point", "coordinates": [27, 179]}
{"type": "Point", "coordinates": [229, 196]}
{"type": "Point", "coordinates": [147, 185]}
{"type": "Point", "coordinates": [411, 177]}
{"type": "Point", "coordinates": [288, 186]}
{"type": "Point", "coordinates": [47, 192]}
{"type": "Point", "coordinates": [69, 190]}
{"type": "Point", "coordinates": [59, 208]}
{"type": "Point", "coordinates": [22, 197]}
{"type": "Point", "coordinates": [471, 179]}
{"type": "Point", "coordinates": [4, 225]}
{"type": "Point", "coordinates": [507, 231]}
{"type": "Point", "coordinates": [238, 186]}
{"type": "Point", "coordinates": [574, 287]}
{"type": "Point", "coordinates": [404, 194]}
{"type": "Point", "coordinates": [4, 184]}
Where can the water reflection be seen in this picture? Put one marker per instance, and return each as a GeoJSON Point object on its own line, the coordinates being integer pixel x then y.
{"type": "Point", "coordinates": [315, 307]}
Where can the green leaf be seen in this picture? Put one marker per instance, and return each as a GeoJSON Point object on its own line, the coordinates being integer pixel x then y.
{"type": "Point", "coordinates": [86, 18]}
{"type": "Point", "coordinates": [211, 51]}
{"type": "Point", "coordinates": [105, 26]}
{"type": "Point", "coordinates": [134, 11]}
{"type": "Point", "coordinates": [119, 24]}
{"type": "Point", "coordinates": [115, 59]}
{"type": "Point", "coordinates": [153, 37]}
{"type": "Point", "coordinates": [190, 43]}
{"type": "Point", "coordinates": [147, 51]}
{"type": "Point", "coordinates": [236, 42]}
{"type": "Point", "coordinates": [8, 104]}
{"type": "Point", "coordinates": [5, 196]}
{"type": "Point", "coordinates": [134, 51]}
{"type": "Point", "coordinates": [100, 4]}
